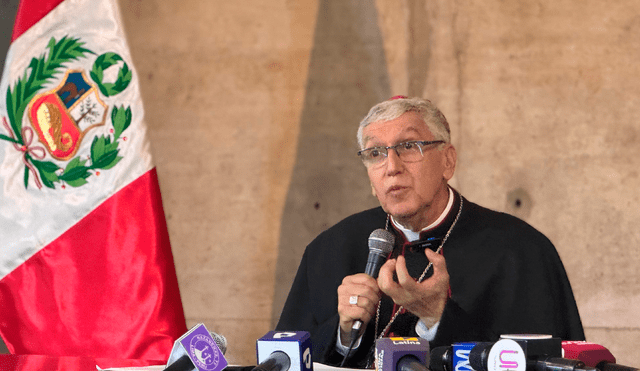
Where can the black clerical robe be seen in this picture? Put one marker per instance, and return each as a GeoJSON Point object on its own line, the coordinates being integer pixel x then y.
{"type": "Point", "coordinates": [505, 278]}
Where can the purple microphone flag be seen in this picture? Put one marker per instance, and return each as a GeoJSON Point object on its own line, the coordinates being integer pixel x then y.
{"type": "Point", "coordinates": [390, 350]}
{"type": "Point", "coordinates": [202, 350]}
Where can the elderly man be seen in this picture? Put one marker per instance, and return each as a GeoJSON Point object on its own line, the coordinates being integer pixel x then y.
{"type": "Point", "coordinates": [458, 271]}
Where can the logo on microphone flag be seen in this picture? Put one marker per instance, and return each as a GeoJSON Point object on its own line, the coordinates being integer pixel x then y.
{"type": "Point", "coordinates": [506, 355]}
{"type": "Point", "coordinates": [389, 351]}
{"type": "Point", "coordinates": [85, 257]}
{"type": "Point", "coordinates": [461, 356]}
{"type": "Point", "coordinates": [200, 348]}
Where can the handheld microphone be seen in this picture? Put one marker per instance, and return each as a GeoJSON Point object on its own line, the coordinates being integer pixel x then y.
{"type": "Point", "coordinates": [284, 351]}
{"type": "Point", "coordinates": [380, 245]}
{"type": "Point", "coordinates": [593, 355]}
{"type": "Point", "coordinates": [402, 354]}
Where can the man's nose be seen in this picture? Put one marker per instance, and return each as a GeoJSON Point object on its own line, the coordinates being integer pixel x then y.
{"type": "Point", "coordinates": [394, 163]}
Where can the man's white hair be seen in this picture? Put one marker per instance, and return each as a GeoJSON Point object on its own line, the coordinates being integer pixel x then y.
{"type": "Point", "coordinates": [397, 106]}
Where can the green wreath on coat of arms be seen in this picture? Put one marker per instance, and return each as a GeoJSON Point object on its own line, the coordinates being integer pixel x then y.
{"type": "Point", "coordinates": [62, 116]}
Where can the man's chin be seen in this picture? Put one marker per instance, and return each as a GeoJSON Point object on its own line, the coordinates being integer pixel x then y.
{"type": "Point", "coordinates": [401, 214]}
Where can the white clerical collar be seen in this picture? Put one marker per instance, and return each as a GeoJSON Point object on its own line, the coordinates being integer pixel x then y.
{"type": "Point", "coordinates": [414, 236]}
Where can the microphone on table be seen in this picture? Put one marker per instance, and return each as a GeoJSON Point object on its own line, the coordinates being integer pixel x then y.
{"type": "Point", "coordinates": [198, 349]}
{"type": "Point", "coordinates": [541, 353]}
{"type": "Point", "coordinates": [381, 244]}
{"type": "Point", "coordinates": [561, 364]}
{"type": "Point", "coordinates": [284, 351]}
{"type": "Point", "coordinates": [402, 354]}
{"type": "Point", "coordinates": [512, 353]}
{"type": "Point", "coordinates": [523, 352]}
{"type": "Point", "coordinates": [277, 361]}
{"type": "Point", "coordinates": [451, 358]}
{"type": "Point", "coordinates": [606, 366]}
{"type": "Point", "coordinates": [593, 355]}
{"type": "Point", "coordinates": [441, 359]}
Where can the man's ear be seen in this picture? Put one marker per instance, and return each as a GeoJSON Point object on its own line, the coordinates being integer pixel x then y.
{"type": "Point", "coordinates": [450, 158]}
{"type": "Point", "coordinates": [373, 190]}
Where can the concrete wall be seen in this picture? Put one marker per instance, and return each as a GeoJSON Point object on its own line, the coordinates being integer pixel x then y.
{"type": "Point", "coordinates": [253, 106]}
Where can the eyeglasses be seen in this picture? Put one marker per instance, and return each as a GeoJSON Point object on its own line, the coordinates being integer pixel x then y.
{"type": "Point", "coordinates": [411, 151]}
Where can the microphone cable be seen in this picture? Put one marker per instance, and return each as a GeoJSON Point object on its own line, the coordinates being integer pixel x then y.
{"type": "Point", "coordinates": [354, 337]}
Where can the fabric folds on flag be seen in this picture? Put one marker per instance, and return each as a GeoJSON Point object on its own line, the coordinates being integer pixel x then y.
{"type": "Point", "coordinates": [86, 267]}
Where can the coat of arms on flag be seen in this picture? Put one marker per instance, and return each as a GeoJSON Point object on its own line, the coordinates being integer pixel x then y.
{"type": "Point", "coordinates": [61, 117]}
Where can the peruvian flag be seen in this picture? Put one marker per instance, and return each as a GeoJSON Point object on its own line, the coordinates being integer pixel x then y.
{"type": "Point", "coordinates": [85, 262]}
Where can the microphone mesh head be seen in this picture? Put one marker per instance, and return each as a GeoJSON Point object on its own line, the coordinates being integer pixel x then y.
{"type": "Point", "coordinates": [220, 340]}
{"type": "Point", "coordinates": [382, 241]}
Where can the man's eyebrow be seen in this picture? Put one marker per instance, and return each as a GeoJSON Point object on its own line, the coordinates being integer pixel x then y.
{"type": "Point", "coordinates": [405, 135]}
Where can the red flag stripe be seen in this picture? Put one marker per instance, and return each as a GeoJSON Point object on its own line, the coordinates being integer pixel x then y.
{"type": "Point", "coordinates": [78, 282]}
{"type": "Point", "coordinates": [29, 13]}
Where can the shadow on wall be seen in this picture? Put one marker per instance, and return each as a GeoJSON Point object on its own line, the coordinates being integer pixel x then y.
{"type": "Point", "coordinates": [8, 9]}
{"type": "Point", "coordinates": [347, 75]}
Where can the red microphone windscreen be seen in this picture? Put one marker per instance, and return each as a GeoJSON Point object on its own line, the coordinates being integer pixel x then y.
{"type": "Point", "coordinates": [589, 353]}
